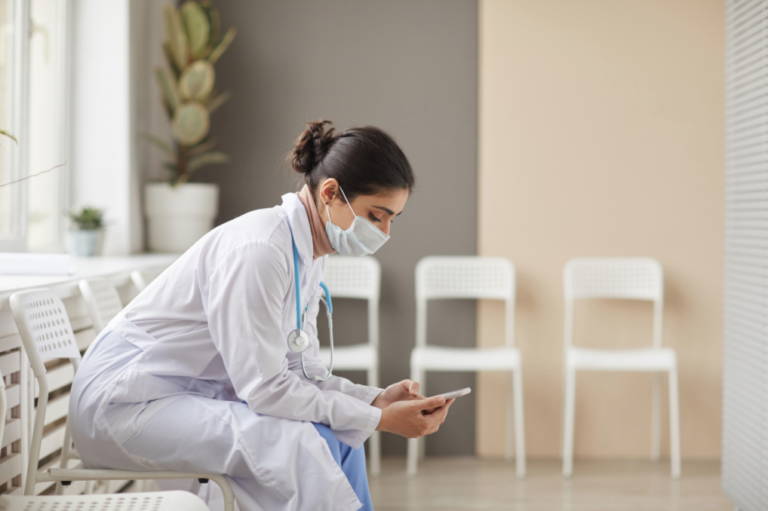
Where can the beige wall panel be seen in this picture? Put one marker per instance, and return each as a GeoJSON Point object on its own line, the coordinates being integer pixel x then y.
{"type": "Point", "coordinates": [601, 133]}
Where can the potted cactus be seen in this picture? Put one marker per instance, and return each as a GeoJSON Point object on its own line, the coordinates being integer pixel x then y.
{"type": "Point", "coordinates": [179, 212]}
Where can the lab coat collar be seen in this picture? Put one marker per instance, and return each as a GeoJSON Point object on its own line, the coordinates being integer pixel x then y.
{"type": "Point", "coordinates": [299, 221]}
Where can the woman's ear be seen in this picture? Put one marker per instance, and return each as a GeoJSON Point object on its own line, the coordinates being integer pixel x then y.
{"type": "Point", "coordinates": [329, 190]}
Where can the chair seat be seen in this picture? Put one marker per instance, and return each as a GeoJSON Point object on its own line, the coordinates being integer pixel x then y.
{"type": "Point", "coordinates": [358, 356]}
{"type": "Point", "coordinates": [155, 501]}
{"type": "Point", "coordinates": [647, 359]}
{"type": "Point", "coordinates": [439, 358]}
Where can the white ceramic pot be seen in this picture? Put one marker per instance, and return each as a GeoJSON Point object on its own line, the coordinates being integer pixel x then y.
{"type": "Point", "coordinates": [84, 243]}
{"type": "Point", "coordinates": [179, 215]}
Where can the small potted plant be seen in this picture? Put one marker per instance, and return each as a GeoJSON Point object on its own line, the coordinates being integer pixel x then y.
{"type": "Point", "coordinates": [85, 237]}
{"type": "Point", "coordinates": [180, 212]}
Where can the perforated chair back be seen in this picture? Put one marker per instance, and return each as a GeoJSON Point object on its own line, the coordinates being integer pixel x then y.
{"type": "Point", "coordinates": [44, 327]}
{"type": "Point", "coordinates": [360, 278]}
{"type": "Point", "coordinates": [102, 300]}
{"type": "Point", "coordinates": [473, 277]}
{"type": "Point", "coordinates": [619, 278]}
{"type": "Point", "coordinates": [629, 278]}
{"type": "Point", "coordinates": [353, 277]}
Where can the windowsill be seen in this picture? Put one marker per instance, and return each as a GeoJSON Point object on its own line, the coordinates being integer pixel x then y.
{"type": "Point", "coordinates": [115, 269]}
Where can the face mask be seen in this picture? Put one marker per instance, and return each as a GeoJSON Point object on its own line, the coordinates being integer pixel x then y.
{"type": "Point", "coordinates": [362, 237]}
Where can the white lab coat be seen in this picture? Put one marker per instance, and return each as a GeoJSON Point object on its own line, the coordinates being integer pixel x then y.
{"type": "Point", "coordinates": [163, 385]}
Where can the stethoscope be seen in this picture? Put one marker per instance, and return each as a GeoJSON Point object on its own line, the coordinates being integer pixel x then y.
{"type": "Point", "coordinates": [298, 340]}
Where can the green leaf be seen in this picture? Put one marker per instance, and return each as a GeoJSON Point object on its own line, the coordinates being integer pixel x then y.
{"type": "Point", "coordinates": [205, 159]}
{"type": "Point", "coordinates": [7, 134]}
{"type": "Point", "coordinates": [217, 101]}
{"type": "Point", "coordinates": [196, 82]}
{"type": "Point", "coordinates": [163, 145]}
{"type": "Point", "coordinates": [190, 123]}
{"type": "Point", "coordinates": [222, 46]}
{"type": "Point", "coordinates": [87, 218]}
{"type": "Point", "coordinates": [198, 27]}
{"type": "Point", "coordinates": [175, 36]}
{"type": "Point", "coordinates": [213, 19]}
{"type": "Point", "coordinates": [168, 88]}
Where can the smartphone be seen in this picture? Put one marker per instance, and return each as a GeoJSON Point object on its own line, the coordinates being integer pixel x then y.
{"type": "Point", "coordinates": [455, 393]}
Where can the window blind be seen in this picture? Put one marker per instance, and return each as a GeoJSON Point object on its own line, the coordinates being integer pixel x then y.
{"type": "Point", "coordinates": [745, 392]}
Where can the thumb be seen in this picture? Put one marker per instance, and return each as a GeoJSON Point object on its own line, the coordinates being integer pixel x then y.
{"type": "Point", "coordinates": [429, 403]}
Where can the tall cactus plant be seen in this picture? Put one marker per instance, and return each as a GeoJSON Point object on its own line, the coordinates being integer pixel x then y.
{"type": "Point", "coordinates": [192, 46]}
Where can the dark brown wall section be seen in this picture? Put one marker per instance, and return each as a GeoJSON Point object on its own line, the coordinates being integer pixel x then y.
{"type": "Point", "coordinates": [407, 67]}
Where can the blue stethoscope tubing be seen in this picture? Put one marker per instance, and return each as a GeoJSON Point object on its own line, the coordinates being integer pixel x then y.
{"type": "Point", "coordinates": [299, 333]}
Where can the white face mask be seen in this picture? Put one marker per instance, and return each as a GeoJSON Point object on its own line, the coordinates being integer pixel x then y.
{"type": "Point", "coordinates": [362, 237]}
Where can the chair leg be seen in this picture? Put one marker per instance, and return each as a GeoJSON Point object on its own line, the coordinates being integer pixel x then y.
{"type": "Point", "coordinates": [517, 376]}
{"type": "Point", "coordinates": [375, 442]}
{"type": "Point", "coordinates": [674, 423]}
{"type": "Point", "coordinates": [226, 490]}
{"type": "Point", "coordinates": [656, 418]}
{"type": "Point", "coordinates": [511, 426]}
{"type": "Point", "coordinates": [568, 422]}
{"type": "Point", "coordinates": [413, 443]}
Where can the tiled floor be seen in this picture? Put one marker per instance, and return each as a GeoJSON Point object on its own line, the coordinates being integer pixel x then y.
{"type": "Point", "coordinates": [452, 484]}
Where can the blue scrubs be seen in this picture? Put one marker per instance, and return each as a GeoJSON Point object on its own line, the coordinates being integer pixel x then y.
{"type": "Point", "coordinates": [352, 463]}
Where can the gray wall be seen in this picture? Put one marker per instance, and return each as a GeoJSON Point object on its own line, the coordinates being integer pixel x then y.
{"type": "Point", "coordinates": [407, 67]}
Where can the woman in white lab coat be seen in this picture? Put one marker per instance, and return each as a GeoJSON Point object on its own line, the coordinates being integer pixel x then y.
{"type": "Point", "coordinates": [196, 374]}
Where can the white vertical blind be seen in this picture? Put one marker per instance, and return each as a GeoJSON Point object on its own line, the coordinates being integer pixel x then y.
{"type": "Point", "coordinates": [745, 407]}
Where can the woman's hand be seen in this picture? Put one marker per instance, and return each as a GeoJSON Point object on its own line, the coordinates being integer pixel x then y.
{"type": "Point", "coordinates": [405, 390]}
{"type": "Point", "coordinates": [415, 418]}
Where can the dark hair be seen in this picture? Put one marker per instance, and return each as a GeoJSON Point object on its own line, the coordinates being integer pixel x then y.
{"type": "Point", "coordinates": [365, 161]}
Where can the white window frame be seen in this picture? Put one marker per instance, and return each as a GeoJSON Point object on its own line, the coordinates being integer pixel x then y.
{"type": "Point", "coordinates": [18, 37]}
{"type": "Point", "coordinates": [16, 241]}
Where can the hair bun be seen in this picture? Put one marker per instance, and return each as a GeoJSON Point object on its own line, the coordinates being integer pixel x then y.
{"type": "Point", "coordinates": [312, 146]}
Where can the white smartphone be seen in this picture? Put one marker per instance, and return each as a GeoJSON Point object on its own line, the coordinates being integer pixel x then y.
{"type": "Point", "coordinates": [455, 393]}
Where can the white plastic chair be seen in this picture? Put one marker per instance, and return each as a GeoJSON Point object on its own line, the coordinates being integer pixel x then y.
{"type": "Point", "coordinates": [102, 300]}
{"type": "Point", "coordinates": [628, 279]}
{"type": "Point", "coordinates": [441, 278]}
{"type": "Point", "coordinates": [157, 501]}
{"type": "Point", "coordinates": [358, 278]}
{"type": "Point", "coordinates": [46, 334]}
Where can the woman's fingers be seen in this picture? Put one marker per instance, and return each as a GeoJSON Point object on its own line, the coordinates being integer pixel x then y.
{"type": "Point", "coordinates": [411, 387]}
{"type": "Point", "coordinates": [429, 403]}
{"type": "Point", "coordinates": [437, 417]}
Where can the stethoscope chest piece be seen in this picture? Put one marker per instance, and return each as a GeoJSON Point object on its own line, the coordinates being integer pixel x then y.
{"type": "Point", "coordinates": [298, 341]}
